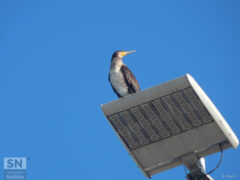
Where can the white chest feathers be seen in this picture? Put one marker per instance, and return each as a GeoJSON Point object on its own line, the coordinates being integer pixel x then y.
{"type": "Point", "coordinates": [118, 82]}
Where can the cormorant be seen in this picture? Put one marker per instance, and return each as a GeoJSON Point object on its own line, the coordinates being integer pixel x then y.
{"type": "Point", "coordinates": [120, 77]}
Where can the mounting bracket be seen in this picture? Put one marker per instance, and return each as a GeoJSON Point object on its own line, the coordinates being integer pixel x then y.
{"type": "Point", "coordinates": [196, 167]}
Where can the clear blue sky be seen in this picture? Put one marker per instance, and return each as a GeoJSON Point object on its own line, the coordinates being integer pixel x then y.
{"type": "Point", "coordinates": [54, 62]}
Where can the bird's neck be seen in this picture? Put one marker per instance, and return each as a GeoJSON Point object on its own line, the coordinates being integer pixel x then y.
{"type": "Point", "coordinates": [116, 63]}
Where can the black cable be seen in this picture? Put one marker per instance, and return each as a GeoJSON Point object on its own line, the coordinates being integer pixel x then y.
{"type": "Point", "coordinates": [218, 162]}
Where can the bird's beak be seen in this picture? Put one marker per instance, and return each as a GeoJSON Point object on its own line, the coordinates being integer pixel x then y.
{"type": "Point", "coordinates": [128, 52]}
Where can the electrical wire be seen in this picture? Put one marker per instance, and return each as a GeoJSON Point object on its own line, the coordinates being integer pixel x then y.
{"type": "Point", "coordinates": [219, 163]}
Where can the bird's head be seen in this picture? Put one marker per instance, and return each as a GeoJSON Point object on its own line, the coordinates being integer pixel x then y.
{"type": "Point", "coordinates": [121, 54]}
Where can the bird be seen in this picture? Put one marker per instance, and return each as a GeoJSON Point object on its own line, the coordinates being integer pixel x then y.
{"type": "Point", "coordinates": [122, 80]}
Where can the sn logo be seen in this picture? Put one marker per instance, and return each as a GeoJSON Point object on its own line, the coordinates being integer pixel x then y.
{"type": "Point", "coordinates": [15, 163]}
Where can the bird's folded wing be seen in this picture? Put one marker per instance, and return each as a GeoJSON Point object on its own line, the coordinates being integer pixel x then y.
{"type": "Point", "coordinates": [130, 79]}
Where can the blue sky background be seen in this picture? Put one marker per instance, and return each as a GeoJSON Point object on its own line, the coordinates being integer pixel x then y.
{"type": "Point", "coordinates": [54, 62]}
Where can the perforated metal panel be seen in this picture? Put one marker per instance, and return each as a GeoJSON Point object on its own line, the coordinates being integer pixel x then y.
{"type": "Point", "coordinates": [160, 118]}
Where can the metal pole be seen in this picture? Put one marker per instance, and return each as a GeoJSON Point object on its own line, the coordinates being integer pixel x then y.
{"type": "Point", "coordinates": [196, 168]}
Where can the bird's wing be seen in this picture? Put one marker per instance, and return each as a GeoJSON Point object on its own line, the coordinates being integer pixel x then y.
{"type": "Point", "coordinates": [130, 80]}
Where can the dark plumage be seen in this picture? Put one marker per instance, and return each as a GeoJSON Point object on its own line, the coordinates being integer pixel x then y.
{"type": "Point", "coordinates": [120, 77]}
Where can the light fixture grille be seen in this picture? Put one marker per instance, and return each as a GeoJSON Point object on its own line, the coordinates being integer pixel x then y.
{"type": "Point", "coordinates": [160, 118]}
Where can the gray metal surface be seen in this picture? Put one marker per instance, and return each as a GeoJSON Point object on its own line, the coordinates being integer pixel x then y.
{"type": "Point", "coordinates": [160, 118]}
{"type": "Point", "coordinates": [160, 125]}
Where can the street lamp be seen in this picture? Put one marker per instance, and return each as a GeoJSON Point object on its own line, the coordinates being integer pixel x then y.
{"type": "Point", "coordinates": [169, 125]}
